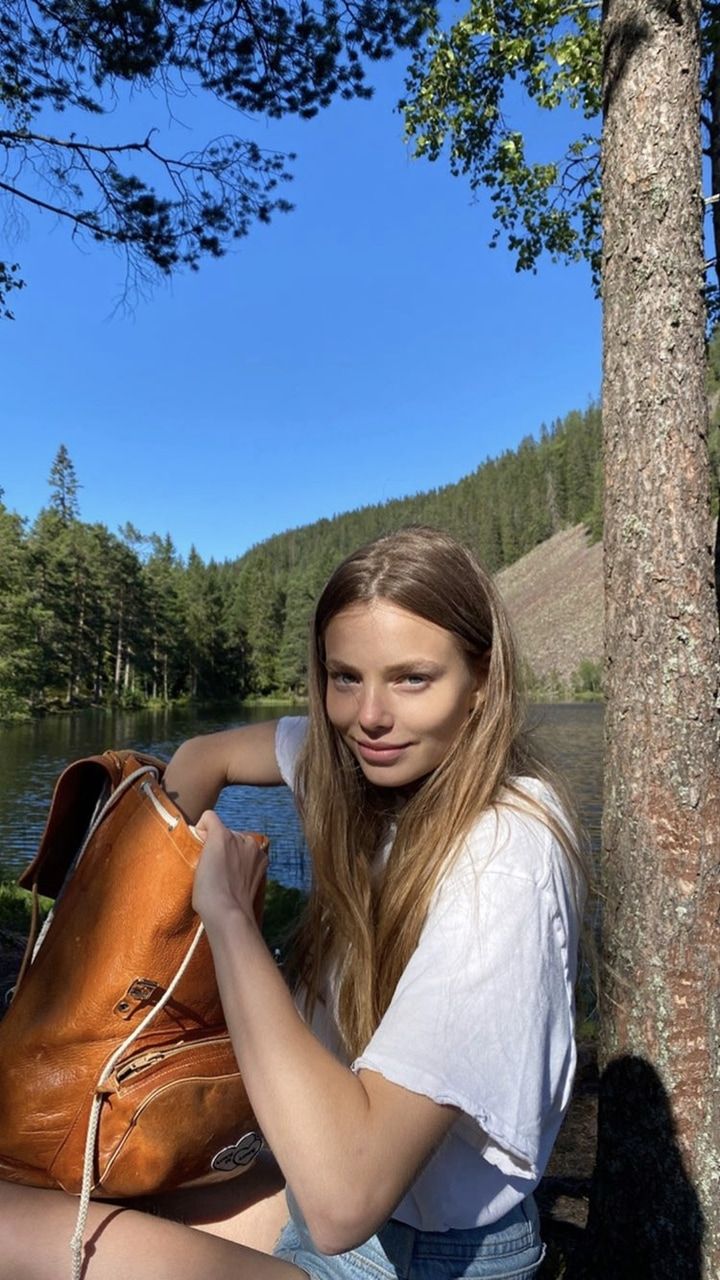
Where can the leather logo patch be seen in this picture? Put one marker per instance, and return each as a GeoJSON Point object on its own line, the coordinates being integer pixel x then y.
{"type": "Point", "coordinates": [239, 1156]}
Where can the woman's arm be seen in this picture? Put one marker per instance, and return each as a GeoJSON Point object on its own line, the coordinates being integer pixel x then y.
{"type": "Point", "coordinates": [349, 1145]}
{"type": "Point", "coordinates": [202, 766]}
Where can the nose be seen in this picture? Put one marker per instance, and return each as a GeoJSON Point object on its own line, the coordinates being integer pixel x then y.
{"type": "Point", "coordinates": [374, 713]}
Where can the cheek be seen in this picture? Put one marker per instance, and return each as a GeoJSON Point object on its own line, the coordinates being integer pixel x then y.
{"type": "Point", "coordinates": [451, 718]}
{"type": "Point", "coordinates": [339, 708]}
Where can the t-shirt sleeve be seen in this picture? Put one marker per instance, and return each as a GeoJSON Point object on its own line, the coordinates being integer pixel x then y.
{"type": "Point", "coordinates": [482, 1017]}
{"type": "Point", "coordinates": [289, 737]}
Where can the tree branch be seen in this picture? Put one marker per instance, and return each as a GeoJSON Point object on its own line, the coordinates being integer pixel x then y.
{"type": "Point", "coordinates": [77, 218]}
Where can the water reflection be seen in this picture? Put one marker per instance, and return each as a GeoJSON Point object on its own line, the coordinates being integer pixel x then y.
{"type": "Point", "coordinates": [32, 756]}
{"type": "Point", "coordinates": [571, 739]}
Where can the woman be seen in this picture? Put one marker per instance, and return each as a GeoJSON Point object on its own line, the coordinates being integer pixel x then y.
{"type": "Point", "coordinates": [411, 1091]}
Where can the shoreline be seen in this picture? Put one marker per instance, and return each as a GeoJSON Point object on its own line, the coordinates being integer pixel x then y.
{"type": "Point", "coordinates": [110, 709]}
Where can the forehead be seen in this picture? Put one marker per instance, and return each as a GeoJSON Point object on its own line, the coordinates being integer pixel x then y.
{"type": "Point", "coordinates": [383, 632]}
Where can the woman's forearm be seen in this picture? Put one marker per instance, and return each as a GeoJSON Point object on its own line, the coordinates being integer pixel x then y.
{"type": "Point", "coordinates": [347, 1146]}
{"type": "Point", "coordinates": [309, 1107]}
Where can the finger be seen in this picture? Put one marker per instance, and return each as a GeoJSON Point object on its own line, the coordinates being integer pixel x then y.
{"type": "Point", "coordinates": [252, 841]}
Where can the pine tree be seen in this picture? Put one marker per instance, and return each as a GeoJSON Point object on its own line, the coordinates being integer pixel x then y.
{"type": "Point", "coordinates": [19, 654]}
{"type": "Point", "coordinates": [293, 656]}
{"type": "Point", "coordinates": [64, 485]}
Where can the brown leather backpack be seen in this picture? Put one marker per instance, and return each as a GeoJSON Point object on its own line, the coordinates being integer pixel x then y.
{"type": "Point", "coordinates": [117, 1075]}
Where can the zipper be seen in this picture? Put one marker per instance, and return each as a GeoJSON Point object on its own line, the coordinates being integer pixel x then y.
{"type": "Point", "coordinates": [135, 1066]}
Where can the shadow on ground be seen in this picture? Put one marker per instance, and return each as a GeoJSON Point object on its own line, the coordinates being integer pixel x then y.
{"type": "Point", "coordinates": [644, 1221]}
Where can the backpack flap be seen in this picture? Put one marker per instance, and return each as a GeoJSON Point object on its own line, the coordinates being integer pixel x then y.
{"type": "Point", "coordinates": [80, 789]}
{"type": "Point", "coordinates": [79, 793]}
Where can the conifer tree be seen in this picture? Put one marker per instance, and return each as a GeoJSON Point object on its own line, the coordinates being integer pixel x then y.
{"type": "Point", "coordinates": [64, 487]}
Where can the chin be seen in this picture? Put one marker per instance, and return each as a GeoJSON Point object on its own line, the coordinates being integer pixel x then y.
{"type": "Point", "coordinates": [391, 779]}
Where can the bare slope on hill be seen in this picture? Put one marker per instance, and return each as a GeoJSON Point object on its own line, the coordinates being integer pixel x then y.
{"type": "Point", "coordinates": [554, 595]}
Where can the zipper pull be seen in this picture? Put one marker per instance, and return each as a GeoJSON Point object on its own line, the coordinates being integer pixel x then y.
{"type": "Point", "coordinates": [135, 1065]}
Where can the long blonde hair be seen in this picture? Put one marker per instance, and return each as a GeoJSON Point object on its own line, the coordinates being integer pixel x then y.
{"type": "Point", "coordinates": [362, 927]}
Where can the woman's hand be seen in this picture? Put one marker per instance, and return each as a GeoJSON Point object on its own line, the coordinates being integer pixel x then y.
{"type": "Point", "coordinates": [230, 872]}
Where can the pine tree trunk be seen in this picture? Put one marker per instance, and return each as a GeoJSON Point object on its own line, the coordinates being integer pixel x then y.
{"type": "Point", "coordinates": [98, 689]}
{"type": "Point", "coordinates": [655, 1207]}
{"type": "Point", "coordinates": [156, 659]}
{"type": "Point", "coordinates": [78, 654]}
{"type": "Point", "coordinates": [119, 649]}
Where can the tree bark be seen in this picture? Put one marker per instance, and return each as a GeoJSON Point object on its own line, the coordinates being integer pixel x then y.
{"type": "Point", "coordinates": [655, 1205]}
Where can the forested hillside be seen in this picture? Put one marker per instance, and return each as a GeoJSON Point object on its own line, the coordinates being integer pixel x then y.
{"type": "Point", "coordinates": [88, 616]}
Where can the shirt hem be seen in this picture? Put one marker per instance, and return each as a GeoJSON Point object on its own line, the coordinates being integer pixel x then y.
{"type": "Point", "coordinates": [522, 1164]}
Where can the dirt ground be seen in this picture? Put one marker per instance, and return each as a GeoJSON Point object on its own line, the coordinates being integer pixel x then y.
{"type": "Point", "coordinates": [564, 1191]}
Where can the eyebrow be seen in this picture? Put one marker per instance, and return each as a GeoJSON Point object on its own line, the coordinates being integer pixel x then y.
{"type": "Point", "coordinates": [397, 668]}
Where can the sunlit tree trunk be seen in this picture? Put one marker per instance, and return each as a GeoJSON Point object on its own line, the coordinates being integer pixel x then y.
{"type": "Point", "coordinates": [119, 648]}
{"type": "Point", "coordinates": [655, 1209]}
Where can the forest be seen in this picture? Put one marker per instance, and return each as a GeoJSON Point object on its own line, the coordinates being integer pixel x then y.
{"type": "Point", "coordinates": [92, 617]}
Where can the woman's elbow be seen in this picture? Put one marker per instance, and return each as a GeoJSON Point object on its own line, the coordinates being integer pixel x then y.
{"type": "Point", "coordinates": [331, 1236]}
{"type": "Point", "coordinates": [340, 1227]}
{"type": "Point", "coordinates": [194, 776]}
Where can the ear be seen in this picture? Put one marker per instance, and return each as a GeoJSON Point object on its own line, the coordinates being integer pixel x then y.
{"type": "Point", "coordinates": [481, 666]}
{"type": "Point", "coordinates": [476, 700]}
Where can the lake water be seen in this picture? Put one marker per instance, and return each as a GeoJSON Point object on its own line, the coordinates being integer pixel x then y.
{"type": "Point", "coordinates": [32, 756]}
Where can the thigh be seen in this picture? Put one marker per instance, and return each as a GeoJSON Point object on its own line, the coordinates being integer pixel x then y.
{"type": "Point", "coordinates": [119, 1244]}
{"type": "Point", "coordinates": [250, 1209]}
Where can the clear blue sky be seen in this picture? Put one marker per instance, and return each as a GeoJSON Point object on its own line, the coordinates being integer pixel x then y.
{"type": "Point", "coordinates": [366, 346]}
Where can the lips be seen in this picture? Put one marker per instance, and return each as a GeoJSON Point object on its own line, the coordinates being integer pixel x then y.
{"type": "Point", "coordinates": [377, 753]}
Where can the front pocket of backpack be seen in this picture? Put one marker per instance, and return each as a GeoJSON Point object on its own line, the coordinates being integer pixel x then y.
{"type": "Point", "coordinates": [175, 1115]}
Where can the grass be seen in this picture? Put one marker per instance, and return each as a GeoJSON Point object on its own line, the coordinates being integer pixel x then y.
{"type": "Point", "coordinates": [16, 907]}
{"type": "Point", "coordinates": [282, 909]}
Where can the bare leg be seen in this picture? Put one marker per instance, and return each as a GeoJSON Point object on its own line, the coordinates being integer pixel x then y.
{"type": "Point", "coordinates": [120, 1244]}
{"type": "Point", "coordinates": [250, 1209]}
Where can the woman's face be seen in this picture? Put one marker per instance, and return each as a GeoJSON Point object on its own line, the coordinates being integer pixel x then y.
{"type": "Point", "coordinates": [399, 690]}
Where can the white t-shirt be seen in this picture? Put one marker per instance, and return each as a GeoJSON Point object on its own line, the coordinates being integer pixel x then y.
{"type": "Point", "coordinates": [483, 1016]}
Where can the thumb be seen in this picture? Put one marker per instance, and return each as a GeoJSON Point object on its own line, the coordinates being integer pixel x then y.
{"type": "Point", "coordinates": [207, 823]}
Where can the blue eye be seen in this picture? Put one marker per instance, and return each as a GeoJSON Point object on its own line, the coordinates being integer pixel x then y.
{"type": "Point", "coordinates": [416, 679]}
{"type": "Point", "coordinates": [343, 678]}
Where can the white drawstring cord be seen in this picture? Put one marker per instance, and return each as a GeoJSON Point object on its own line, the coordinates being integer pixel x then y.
{"type": "Point", "coordinates": [76, 1244]}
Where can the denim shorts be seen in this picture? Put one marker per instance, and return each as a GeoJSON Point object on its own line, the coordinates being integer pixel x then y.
{"type": "Point", "coordinates": [509, 1249]}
